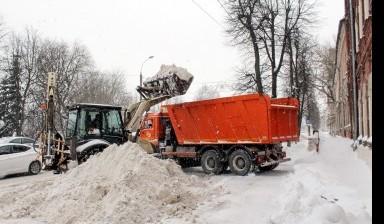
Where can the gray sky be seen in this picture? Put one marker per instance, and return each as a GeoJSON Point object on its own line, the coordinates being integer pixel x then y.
{"type": "Point", "coordinates": [121, 34]}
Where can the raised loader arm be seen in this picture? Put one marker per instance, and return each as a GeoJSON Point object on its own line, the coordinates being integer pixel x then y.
{"type": "Point", "coordinates": [170, 81]}
{"type": "Point", "coordinates": [138, 109]}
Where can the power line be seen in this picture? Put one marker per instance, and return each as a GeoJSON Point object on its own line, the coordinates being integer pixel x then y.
{"type": "Point", "coordinates": [222, 6]}
{"type": "Point", "coordinates": [208, 14]}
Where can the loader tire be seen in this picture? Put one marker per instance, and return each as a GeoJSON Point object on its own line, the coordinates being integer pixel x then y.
{"type": "Point", "coordinates": [91, 152]}
{"type": "Point", "coordinates": [240, 162]}
{"type": "Point", "coordinates": [211, 162]}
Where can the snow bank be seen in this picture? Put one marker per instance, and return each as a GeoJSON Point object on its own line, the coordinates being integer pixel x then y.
{"type": "Point", "coordinates": [121, 185]}
{"type": "Point", "coordinates": [330, 187]}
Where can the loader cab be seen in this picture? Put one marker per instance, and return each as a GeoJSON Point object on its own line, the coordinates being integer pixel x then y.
{"type": "Point", "coordinates": [94, 121]}
{"type": "Point", "coordinates": [153, 127]}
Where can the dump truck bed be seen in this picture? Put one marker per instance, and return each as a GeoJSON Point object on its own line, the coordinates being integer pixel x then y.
{"type": "Point", "coordinates": [243, 119]}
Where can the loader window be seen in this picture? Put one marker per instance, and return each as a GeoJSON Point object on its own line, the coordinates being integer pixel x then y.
{"type": "Point", "coordinates": [89, 123]}
{"type": "Point", "coordinates": [111, 124]}
{"type": "Point", "coordinates": [71, 123]}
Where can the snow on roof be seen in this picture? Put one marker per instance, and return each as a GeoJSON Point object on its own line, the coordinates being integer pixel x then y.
{"type": "Point", "coordinates": [10, 138]}
{"type": "Point", "coordinates": [93, 104]}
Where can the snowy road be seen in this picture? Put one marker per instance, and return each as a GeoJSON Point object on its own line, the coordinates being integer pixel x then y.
{"type": "Point", "coordinates": [330, 187]}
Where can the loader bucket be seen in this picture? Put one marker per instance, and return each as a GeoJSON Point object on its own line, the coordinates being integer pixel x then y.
{"type": "Point", "coordinates": [146, 145]}
{"type": "Point", "coordinates": [169, 81]}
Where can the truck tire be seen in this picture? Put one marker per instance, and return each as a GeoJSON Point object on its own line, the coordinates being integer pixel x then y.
{"type": "Point", "coordinates": [211, 162]}
{"type": "Point", "coordinates": [240, 162]}
{"type": "Point", "coordinates": [268, 168]}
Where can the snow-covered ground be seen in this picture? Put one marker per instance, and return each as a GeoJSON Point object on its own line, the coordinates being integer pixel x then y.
{"type": "Point", "coordinates": [124, 185]}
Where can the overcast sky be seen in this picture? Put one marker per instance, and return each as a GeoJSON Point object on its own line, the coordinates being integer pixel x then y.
{"type": "Point", "coordinates": [122, 34]}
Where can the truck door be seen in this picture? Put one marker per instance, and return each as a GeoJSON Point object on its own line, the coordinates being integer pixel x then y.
{"type": "Point", "coordinates": [147, 130]}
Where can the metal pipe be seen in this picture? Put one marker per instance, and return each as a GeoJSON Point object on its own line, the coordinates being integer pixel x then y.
{"type": "Point", "coordinates": [354, 84]}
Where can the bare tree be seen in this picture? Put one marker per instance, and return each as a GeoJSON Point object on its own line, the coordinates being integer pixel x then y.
{"type": "Point", "coordinates": [312, 110]}
{"type": "Point", "coordinates": [104, 88]}
{"type": "Point", "coordinates": [300, 50]}
{"type": "Point", "coordinates": [206, 92]}
{"type": "Point", "coordinates": [245, 20]}
{"type": "Point", "coordinates": [266, 25]}
{"type": "Point", "coordinates": [3, 32]}
{"type": "Point", "coordinates": [326, 69]}
{"type": "Point", "coordinates": [70, 63]}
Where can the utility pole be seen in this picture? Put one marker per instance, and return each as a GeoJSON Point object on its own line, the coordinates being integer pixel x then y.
{"type": "Point", "coordinates": [141, 74]}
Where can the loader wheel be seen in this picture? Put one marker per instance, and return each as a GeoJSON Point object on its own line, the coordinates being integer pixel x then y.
{"type": "Point", "coordinates": [210, 162]}
{"type": "Point", "coordinates": [90, 153]}
{"type": "Point", "coordinates": [240, 162]}
{"type": "Point", "coordinates": [34, 167]}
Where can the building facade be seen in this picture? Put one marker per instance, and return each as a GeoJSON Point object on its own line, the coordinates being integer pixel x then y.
{"type": "Point", "coordinates": [344, 106]}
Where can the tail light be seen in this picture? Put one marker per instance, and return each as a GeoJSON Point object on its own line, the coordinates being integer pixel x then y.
{"type": "Point", "coordinates": [260, 160]}
{"type": "Point", "coordinates": [284, 154]}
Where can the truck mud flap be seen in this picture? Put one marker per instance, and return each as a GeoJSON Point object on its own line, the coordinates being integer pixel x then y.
{"type": "Point", "coordinates": [275, 162]}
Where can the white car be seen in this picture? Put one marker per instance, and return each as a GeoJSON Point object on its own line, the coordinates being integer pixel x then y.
{"type": "Point", "coordinates": [18, 140]}
{"type": "Point", "coordinates": [18, 158]}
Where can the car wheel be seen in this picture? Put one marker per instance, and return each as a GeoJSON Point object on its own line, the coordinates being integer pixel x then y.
{"type": "Point", "coordinates": [34, 167]}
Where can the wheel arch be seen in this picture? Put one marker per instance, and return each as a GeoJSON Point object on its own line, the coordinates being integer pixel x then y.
{"type": "Point", "coordinates": [243, 147]}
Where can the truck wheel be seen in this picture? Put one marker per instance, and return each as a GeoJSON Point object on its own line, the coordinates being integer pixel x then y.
{"type": "Point", "coordinates": [240, 162]}
{"type": "Point", "coordinates": [268, 168]}
{"type": "Point", "coordinates": [210, 162]}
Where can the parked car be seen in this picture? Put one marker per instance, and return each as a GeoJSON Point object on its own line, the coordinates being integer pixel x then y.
{"type": "Point", "coordinates": [17, 139]}
{"type": "Point", "coordinates": [18, 158]}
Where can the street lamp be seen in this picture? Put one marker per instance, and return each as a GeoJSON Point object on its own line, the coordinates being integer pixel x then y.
{"type": "Point", "coordinates": [141, 73]}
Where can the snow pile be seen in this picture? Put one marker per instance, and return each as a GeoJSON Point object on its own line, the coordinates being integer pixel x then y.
{"type": "Point", "coordinates": [322, 188]}
{"type": "Point", "coordinates": [121, 185]}
{"type": "Point", "coordinates": [166, 70]}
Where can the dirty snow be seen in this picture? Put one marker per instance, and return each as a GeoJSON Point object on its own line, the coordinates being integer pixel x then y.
{"type": "Point", "coordinates": [125, 185]}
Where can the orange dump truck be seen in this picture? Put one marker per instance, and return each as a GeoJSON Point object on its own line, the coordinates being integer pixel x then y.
{"type": "Point", "coordinates": [243, 132]}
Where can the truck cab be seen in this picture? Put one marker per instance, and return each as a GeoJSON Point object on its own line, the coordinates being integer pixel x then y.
{"type": "Point", "coordinates": [153, 128]}
{"type": "Point", "coordinates": [93, 127]}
